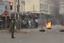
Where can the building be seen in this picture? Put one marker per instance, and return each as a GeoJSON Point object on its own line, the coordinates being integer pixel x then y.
{"type": "Point", "coordinates": [49, 6]}
{"type": "Point", "coordinates": [22, 5]}
{"type": "Point", "coordinates": [32, 6]}
{"type": "Point", "coordinates": [61, 7]}
{"type": "Point", "coordinates": [37, 6]}
{"type": "Point", "coordinates": [43, 6]}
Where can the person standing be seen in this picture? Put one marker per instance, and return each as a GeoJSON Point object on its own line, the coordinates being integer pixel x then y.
{"type": "Point", "coordinates": [36, 20]}
{"type": "Point", "coordinates": [30, 25]}
{"type": "Point", "coordinates": [12, 28]}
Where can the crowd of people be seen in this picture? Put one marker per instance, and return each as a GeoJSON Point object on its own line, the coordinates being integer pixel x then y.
{"type": "Point", "coordinates": [29, 21]}
{"type": "Point", "coordinates": [25, 21]}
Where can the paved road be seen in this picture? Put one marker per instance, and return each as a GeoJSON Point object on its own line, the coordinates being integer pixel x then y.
{"type": "Point", "coordinates": [34, 36]}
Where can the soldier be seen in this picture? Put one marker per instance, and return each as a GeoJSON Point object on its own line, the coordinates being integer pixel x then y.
{"type": "Point", "coordinates": [12, 28]}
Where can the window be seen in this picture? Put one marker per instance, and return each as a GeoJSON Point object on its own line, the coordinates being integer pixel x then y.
{"type": "Point", "coordinates": [43, 6]}
{"type": "Point", "coordinates": [51, 8]}
{"type": "Point", "coordinates": [61, 9]}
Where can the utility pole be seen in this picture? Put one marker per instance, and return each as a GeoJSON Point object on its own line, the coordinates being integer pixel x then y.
{"type": "Point", "coordinates": [6, 19]}
{"type": "Point", "coordinates": [18, 7]}
{"type": "Point", "coordinates": [15, 8]}
{"type": "Point", "coordinates": [15, 12]}
{"type": "Point", "coordinates": [18, 13]}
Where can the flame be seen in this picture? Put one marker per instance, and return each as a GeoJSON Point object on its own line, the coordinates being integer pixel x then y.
{"type": "Point", "coordinates": [63, 26]}
{"type": "Point", "coordinates": [48, 25]}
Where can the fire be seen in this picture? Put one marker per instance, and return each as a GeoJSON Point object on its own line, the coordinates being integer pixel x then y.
{"type": "Point", "coordinates": [63, 25]}
{"type": "Point", "coordinates": [48, 25]}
